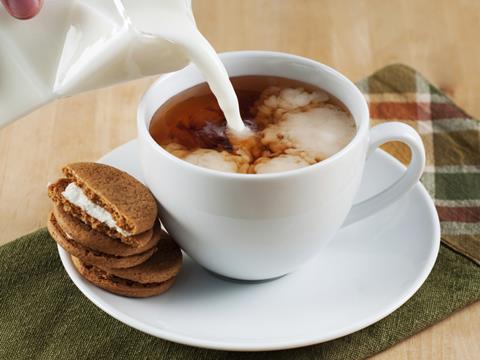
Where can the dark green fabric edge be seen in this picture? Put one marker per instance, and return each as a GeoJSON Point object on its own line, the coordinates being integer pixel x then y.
{"type": "Point", "coordinates": [44, 316]}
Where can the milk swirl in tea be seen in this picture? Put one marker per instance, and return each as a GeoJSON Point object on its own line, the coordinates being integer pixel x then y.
{"type": "Point", "coordinates": [172, 20]}
{"type": "Point", "coordinates": [293, 125]}
{"type": "Point", "coordinates": [275, 125]}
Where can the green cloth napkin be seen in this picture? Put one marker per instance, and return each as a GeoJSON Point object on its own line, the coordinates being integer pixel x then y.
{"type": "Point", "coordinates": [44, 316]}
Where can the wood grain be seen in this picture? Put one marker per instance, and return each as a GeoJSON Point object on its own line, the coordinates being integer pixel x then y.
{"type": "Point", "coordinates": [437, 37]}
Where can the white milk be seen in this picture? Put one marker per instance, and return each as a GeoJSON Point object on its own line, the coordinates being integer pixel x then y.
{"type": "Point", "coordinates": [73, 46]}
{"type": "Point", "coordinates": [78, 45]}
{"type": "Point", "coordinates": [173, 20]}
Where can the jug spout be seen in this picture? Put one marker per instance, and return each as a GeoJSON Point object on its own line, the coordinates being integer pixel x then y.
{"type": "Point", "coordinates": [73, 46]}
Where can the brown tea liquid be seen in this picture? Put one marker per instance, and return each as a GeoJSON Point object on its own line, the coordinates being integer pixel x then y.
{"type": "Point", "coordinates": [193, 120]}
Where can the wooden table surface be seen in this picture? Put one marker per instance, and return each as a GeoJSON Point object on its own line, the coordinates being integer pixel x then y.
{"type": "Point", "coordinates": [437, 37]}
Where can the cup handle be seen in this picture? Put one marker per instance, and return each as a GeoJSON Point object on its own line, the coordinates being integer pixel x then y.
{"type": "Point", "coordinates": [380, 134]}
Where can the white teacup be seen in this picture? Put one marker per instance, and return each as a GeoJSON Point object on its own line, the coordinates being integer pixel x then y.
{"type": "Point", "coordinates": [255, 227]}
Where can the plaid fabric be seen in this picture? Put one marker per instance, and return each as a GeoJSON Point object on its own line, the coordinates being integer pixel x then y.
{"type": "Point", "coordinates": [452, 143]}
{"type": "Point", "coordinates": [44, 316]}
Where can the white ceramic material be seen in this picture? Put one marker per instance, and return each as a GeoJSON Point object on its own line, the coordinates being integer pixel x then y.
{"type": "Point", "coordinates": [254, 227]}
{"type": "Point", "coordinates": [367, 271]}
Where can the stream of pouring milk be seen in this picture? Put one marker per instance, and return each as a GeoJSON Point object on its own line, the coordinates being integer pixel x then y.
{"type": "Point", "coordinates": [172, 20]}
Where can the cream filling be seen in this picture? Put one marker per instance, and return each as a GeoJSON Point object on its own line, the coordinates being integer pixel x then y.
{"type": "Point", "coordinates": [76, 196]}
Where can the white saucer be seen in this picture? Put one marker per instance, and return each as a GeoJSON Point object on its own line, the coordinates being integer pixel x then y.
{"type": "Point", "coordinates": [368, 270]}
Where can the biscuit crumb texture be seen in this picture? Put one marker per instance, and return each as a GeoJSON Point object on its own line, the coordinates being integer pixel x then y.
{"type": "Point", "coordinates": [163, 265]}
{"type": "Point", "coordinates": [96, 240]}
{"type": "Point", "coordinates": [117, 285]}
{"type": "Point", "coordinates": [91, 256]}
{"type": "Point", "coordinates": [131, 203]}
{"type": "Point", "coordinates": [55, 191]}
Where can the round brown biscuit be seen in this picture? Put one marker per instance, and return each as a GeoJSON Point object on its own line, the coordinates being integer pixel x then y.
{"type": "Point", "coordinates": [131, 203]}
{"type": "Point", "coordinates": [118, 285]}
{"type": "Point", "coordinates": [163, 265]}
{"type": "Point", "coordinates": [95, 240]}
{"type": "Point", "coordinates": [90, 256]}
{"type": "Point", "coordinates": [55, 191]}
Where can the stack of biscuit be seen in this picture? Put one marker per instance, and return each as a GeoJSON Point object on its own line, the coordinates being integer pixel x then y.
{"type": "Point", "coordinates": [107, 221]}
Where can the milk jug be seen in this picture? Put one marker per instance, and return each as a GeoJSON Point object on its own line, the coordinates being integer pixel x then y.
{"type": "Point", "coordinates": [77, 45]}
